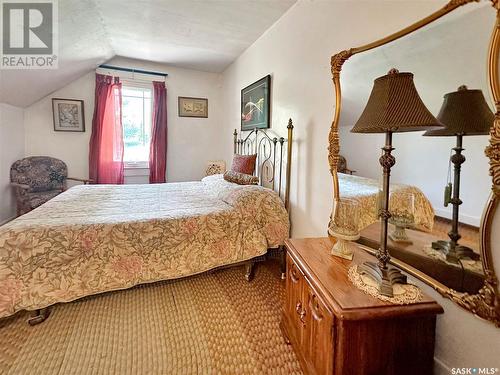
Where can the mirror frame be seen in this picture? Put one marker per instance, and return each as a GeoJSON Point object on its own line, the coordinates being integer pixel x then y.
{"type": "Point", "coordinates": [486, 303]}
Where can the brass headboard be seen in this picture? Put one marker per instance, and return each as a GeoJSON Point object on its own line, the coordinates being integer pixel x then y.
{"type": "Point", "coordinates": [270, 166]}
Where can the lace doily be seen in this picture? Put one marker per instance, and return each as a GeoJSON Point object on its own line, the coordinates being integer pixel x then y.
{"type": "Point", "coordinates": [471, 265]}
{"type": "Point", "coordinates": [404, 294]}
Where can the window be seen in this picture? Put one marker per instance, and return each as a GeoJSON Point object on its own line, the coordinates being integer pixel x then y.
{"type": "Point", "coordinates": [137, 121]}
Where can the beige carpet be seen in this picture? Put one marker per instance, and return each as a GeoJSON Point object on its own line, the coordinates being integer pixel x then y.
{"type": "Point", "coordinates": [215, 323]}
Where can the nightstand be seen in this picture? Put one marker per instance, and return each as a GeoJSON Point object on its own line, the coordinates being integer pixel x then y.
{"type": "Point", "coordinates": [336, 328]}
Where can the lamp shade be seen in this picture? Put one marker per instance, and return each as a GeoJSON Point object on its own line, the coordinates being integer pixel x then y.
{"type": "Point", "coordinates": [464, 112]}
{"type": "Point", "coordinates": [395, 106]}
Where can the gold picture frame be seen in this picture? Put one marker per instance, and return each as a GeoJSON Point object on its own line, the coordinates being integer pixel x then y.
{"type": "Point", "coordinates": [486, 303]}
{"type": "Point", "coordinates": [192, 107]}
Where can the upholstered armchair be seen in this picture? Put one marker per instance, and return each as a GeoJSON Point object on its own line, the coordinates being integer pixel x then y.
{"type": "Point", "coordinates": [342, 167]}
{"type": "Point", "coordinates": [37, 179]}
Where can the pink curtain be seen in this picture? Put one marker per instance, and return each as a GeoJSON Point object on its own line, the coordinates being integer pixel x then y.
{"type": "Point", "coordinates": [158, 147]}
{"type": "Point", "coordinates": [106, 140]}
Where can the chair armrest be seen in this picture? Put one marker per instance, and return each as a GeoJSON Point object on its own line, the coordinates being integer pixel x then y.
{"type": "Point", "coordinates": [21, 186]}
{"type": "Point", "coordinates": [85, 181]}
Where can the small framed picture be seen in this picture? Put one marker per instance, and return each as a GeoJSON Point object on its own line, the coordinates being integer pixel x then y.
{"type": "Point", "coordinates": [68, 115]}
{"type": "Point", "coordinates": [193, 107]}
{"type": "Point", "coordinates": [256, 105]}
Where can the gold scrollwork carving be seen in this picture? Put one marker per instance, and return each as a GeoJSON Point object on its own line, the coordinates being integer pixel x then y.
{"type": "Point", "coordinates": [334, 150]}
{"type": "Point", "coordinates": [484, 304]}
{"type": "Point", "coordinates": [493, 151]}
{"type": "Point", "coordinates": [338, 60]}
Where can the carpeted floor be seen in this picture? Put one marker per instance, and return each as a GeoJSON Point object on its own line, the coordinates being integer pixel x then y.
{"type": "Point", "coordinates": [214, 323]}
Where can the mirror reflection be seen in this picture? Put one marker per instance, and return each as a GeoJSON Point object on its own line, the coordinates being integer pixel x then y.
{"type": "Point", "coordinates": [440, 183]}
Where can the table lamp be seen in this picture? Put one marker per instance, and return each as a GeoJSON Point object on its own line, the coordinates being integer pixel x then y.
{"type": "Point", "coordinates": [393, 106]}
{"type": "Point", "coordinates": [463, 113]}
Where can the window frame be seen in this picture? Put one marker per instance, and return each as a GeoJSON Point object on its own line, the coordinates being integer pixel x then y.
{"type": "Point", "coordinates": [141, 85]}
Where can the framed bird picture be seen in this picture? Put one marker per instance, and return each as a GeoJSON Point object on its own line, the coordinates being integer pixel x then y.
{"type": "Point", "coordinates": [256, 105]}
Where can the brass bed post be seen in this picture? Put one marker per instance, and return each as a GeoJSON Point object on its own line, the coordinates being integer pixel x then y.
{"type": "Point", "coordinates": [280, 179]}
{"type": "Point", "coordinates": [287, 190]}
{"type": "Point", "coordinates": [288, 163]}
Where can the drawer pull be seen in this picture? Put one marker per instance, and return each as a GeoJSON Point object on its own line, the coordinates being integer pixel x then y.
{"type": "Point", "coordinates": [314, 306]}
{"type": "Point", "coordinates": [301, 312]}
{"type": "Point", "coordinates": [293, 274]}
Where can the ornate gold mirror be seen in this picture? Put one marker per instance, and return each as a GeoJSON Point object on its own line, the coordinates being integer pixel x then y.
{"type": "Point", "coordinates": [444, 241]}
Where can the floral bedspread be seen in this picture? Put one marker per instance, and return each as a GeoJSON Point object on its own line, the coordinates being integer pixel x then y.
{"type": "Point", "coordinates": [98, 238]}
{"type": "Point", "coordinates": [365, 192]}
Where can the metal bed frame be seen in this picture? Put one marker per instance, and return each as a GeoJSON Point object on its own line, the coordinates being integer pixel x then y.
{"type": "Point", "coordinates": [273, 171]}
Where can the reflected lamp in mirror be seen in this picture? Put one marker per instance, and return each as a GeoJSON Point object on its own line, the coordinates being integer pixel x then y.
{"type": "Point", "coordinates": [463, 113]}
{"type": "Point", "coordinates": [393, 106]}
{"type": "Point", "coordinates": [402, 209]}
{"type": "Point", "coordinates": [344, 226]}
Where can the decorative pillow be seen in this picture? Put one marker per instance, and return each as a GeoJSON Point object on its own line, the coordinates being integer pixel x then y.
{"type": "Point", "coordinates": [244, 163]}
{"type": "Point", "coordinates": [241, 178]}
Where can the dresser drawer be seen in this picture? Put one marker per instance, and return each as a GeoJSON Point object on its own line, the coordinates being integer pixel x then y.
{"type": "Point", "coordinates": [295, 302]}
{"type": "Point", "coordinates": [309, 323]}
{"type": "Point", "coordinates": [318, 334]}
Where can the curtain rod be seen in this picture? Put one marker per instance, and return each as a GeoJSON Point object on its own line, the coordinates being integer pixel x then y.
{"type": "Point", "coordinates": [131, 70]}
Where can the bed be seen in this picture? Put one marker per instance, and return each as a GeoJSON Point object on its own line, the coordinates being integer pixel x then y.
{"type": "Point", "coordinates": [98, 238]}
{"type": "Point", "coordinates": [365, 192]}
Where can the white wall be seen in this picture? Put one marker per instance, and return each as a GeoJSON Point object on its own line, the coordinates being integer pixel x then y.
{"type": "Point", "coordinates": [191, 141]}
{"type": "Point", "coordinates": [296, 51]}
{"type": "Point", "coordinates": [11, 149]}
{"type": "Point", "coordinates": [71, 147]}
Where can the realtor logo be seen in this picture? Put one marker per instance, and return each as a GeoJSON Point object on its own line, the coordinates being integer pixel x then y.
{"type": "Point", "coordinates": [29, 34]}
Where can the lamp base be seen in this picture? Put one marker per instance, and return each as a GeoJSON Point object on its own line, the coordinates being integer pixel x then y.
{"type": "Point", "coordinates": [385, 277]}
{"type": "Point", "coordinates": [342, 249]}
{"type": "Point", "coordinates": [399, 235]}
{"type": "Point", "coordinates": [453, 255]}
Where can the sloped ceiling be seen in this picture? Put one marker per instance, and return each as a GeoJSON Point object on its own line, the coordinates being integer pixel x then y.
{"type": "Point", "coordinates": [83, 44]}
{"type": "Point", "coordinates": [197, 34]}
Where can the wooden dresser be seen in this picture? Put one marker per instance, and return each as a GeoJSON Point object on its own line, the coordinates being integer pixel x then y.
{"type": "Point", "coordinates": [337, 329]}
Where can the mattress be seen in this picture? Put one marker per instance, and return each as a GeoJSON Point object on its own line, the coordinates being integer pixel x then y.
{"type": "Point", "coordinates": [97, 238]}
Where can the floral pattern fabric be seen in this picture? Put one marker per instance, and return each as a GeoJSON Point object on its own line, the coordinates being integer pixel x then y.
{"type": "Point", "coordinates": [365, 191]}
{"type": "Point", "coordinates": [241, 178]}
{"type": "Point", "coordinates": [97, 238]}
